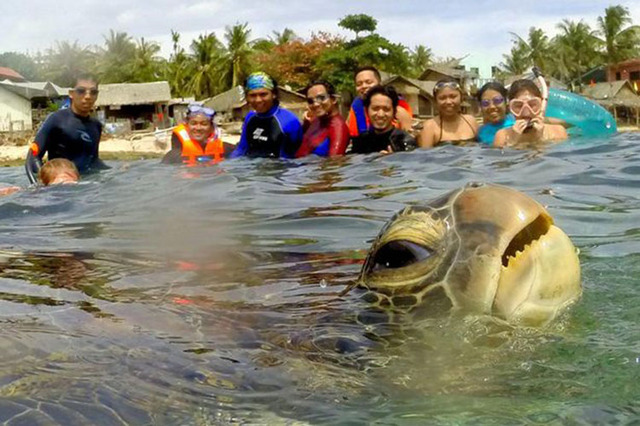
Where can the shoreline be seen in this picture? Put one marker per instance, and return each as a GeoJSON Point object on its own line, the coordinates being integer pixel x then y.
{"type": "Point", "coordinates": [136, 147]}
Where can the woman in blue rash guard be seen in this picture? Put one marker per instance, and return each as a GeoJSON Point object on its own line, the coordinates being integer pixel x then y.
{"type": "Point", "coordinates": [493, 102]}
{"type": "Point", "coordinates": [269, 130]}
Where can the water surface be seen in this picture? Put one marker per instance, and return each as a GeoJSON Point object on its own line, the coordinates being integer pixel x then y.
{"type": "Point", "coordinates": [162, 295]}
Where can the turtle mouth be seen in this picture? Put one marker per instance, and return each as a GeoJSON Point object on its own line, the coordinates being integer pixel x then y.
{"type": "Point", "coordinates": [526, 237]}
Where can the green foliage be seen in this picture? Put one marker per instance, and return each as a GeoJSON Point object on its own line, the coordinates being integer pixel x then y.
{"type": "Point", "coordinates": [340, 62]}
{"type": "Point", "coordinates": [25, 65]}
{"type": "Point", "coordinates": [66, 61]}
{"type": "Point", "coordinates": [117, 58]}
{"type": "Point", "coordinates": [359, 23]}
{"type": "Point", "coordinates": [620, 38]}
{"type": "Point", "coordinates": [419, 59]}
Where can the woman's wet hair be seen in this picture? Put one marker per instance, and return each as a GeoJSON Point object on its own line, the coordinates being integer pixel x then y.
{"type": "Point", "coordinates": [520, 86]}
{"type": "Point", "coordinates": [331, 91]}
{"type": "Point", "coordinates": [495, 86]}
{"type": "Point", "coordinates": [387, 91]}
{"type": "Point", "coordinates": [374, 70]}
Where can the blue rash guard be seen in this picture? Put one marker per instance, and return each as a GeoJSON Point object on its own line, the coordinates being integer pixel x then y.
{"type": "Point", "coordinates": [487, 132]}
{"type": "Point", "coordinates": [276, 133]}
{"type": "Point", "coordinates": [65, 134]}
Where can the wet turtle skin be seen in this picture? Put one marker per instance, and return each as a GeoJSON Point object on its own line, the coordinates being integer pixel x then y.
{"type": "Point", "coordinates": [483, 248]}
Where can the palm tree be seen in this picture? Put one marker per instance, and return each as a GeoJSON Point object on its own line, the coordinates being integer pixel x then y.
{"type": "Point", "coordinates": [518, 59]}
{"type": "Point", "coordinates": [178, 70]}
{"type": "Point", "coordinates": [577, 49]}
{"type": "Point", "coordinates": [286, 36]}
{"type": "Point", "coordinates": [420, 58]}
{"type": "Point", "coordinates": [619, 37]}
{"type": "Point", "coordinates": [147, 64]}
{"type": "Point", "coordinates": [537, 48]}
{"type": "Point", "coordinates": [66, 61]}
{"type": "Point", "coordinates": [204, 76]}
{"type": "Point", "coordinates": [117, 59]}
{"type": "Point", "coordinates": [238, 54]}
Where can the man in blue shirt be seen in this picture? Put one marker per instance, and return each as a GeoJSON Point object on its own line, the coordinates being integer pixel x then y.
{"type": "Point", "coordinates": [269, 130]}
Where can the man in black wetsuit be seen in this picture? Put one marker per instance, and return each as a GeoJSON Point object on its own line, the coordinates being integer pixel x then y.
{"type": "Point", "coordinates": [381, 104]}
{"type": "Point", "coordinates": [70, 133]}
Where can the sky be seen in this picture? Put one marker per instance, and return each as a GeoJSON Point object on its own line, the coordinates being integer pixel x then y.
{"type": "Point", "coordinates": [479, 30]}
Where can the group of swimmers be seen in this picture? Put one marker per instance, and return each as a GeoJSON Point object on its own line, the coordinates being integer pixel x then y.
{"type": "Point", "coordinates": [379, 121]}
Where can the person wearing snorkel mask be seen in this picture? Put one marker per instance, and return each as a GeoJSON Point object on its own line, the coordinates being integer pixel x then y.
{"type": "Point", "coordinates": [525, 103]}
{"type": "Point", "coordinates": [197, 141]}
{"type": "Point", "coordinates": [269, 130]}
{"type": "Point", "coordinates": [450, 126]}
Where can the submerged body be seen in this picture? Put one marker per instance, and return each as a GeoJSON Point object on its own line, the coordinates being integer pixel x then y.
{"type": "Point", "coordinates": [483, 248]}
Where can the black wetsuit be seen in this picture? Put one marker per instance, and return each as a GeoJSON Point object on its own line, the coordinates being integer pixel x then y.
{"type": "Point", "coordinates": [67, 135]}
{"type": "Point", "coordinates": [370, 141]}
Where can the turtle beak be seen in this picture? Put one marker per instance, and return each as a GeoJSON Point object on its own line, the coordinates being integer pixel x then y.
{"type": "Point", "coordinates": [540, 274]}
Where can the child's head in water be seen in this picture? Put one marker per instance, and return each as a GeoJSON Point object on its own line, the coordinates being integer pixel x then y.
{"type": "Point", "coordinates": [58, 170]}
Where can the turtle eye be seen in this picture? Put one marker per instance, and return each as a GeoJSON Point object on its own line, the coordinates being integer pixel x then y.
{"type": "Point", "coordinates": [400, 253]}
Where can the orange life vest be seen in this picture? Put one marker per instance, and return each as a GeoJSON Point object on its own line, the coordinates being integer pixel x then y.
{"type": "Point", "coordinates": [191, 150]}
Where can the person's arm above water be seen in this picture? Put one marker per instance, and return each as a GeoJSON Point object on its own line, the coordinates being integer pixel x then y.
{"type": "Point", "coordinates": [338, 137]}
{"type": "Point", "coordinates": [427, 135]}
{"type": "Point", "coordinates": [243, 145]}
{"type": "Point", "coordinates": [404, 119]}
{"type": "Point", "coordinates": [38, 148]}
{"type": "Point", "coordinates": [175, 154]}
{"type": "Point", "coordinates": [97, 163]}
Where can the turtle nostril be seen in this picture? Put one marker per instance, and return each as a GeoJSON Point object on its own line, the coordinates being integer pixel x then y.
{"type": "Point", "coordinates": [400, 253]}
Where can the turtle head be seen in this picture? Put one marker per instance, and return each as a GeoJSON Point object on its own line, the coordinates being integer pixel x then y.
{"type": "Point", "coordinates": [486, 248]}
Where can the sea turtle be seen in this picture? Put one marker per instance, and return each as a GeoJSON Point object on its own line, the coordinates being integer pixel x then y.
{"type": "Point", "coordinates": [486, 248]}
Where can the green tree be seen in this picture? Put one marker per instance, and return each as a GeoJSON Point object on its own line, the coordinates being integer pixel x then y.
{"type": "Point", "coordinates": [64, 62]}
{"type": "Point", "coordinates": [237, 59]}
{"type": "Point", "coordinates": [286, 36]}
{"type": "Point", "coordinates": [577, 49]}
{"type": "Point", "coordinates": [359, 23]}
{"type": "Point", "coordinates": [518, 60]}
{"type": "Point", "coordinates": [178, 70]}
{"type": "Point", "coordinates": [25, 65]}
{"type": "Point", "coordinates": [116, 62]}
{"type": "Point", "coordinates": [620, 38]}
{"type": "Point", "coordinates": [420, 58]}
{"type": "Point", "coordinates": [536, 47]}
{"type": "Point", "coordinates": [147, 65]}
{"type": "Point", "coordinates": [203, 72]}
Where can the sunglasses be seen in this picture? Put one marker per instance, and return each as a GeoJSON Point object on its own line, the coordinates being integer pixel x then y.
{"type": "Point", "coordinates": [318, 99]}
{"type": "Point", "coordinates": [444, 84]}
{"type": "Point", "coordinates": [199, 109]}
{"type": "Point", "coordinates": [81, 91]}
{"type": "Point", "coordinates": [496, 100]}
{"type": "Point", "coordinates": [516, 106]}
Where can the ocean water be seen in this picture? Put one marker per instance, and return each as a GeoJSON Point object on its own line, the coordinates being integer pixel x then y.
{"type": "Point", "coordinates": [153, 294]}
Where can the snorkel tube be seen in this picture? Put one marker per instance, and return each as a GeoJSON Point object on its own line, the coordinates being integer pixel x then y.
{"type": "Point", "coordinates": [543, 87]}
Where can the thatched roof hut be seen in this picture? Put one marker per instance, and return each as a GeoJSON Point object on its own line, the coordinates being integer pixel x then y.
{"type": "Point", "coordinates": [121, 94]}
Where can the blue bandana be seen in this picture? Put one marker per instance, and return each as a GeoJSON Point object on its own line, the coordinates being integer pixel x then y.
{"type": "Point", "coordinates": [259, 80]}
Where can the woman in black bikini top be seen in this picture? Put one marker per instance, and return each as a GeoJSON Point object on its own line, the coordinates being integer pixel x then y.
{"type": "Point", "coordinates": [451, 126]}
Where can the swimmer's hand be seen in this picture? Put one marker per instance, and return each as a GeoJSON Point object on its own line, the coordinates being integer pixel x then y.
{"type": "Point", "coordinates": [520, 126]}
{"type": "Point", "coordinates": [538, 123]}
{"type": "Point", "coordinates": [387, 151]}
{"type": "Point", "coordinates": [9, 190]}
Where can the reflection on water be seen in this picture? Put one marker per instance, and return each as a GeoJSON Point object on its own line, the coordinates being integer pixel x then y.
{"type": "Point", "coordinates": [155, 296]}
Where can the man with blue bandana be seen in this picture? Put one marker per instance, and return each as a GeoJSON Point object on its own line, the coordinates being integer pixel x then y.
{"type": "Point", "coordinates": [269, 130]}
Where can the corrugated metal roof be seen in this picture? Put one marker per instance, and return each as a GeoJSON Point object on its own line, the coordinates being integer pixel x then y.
{"type": "Point", "coordinates": [226, 101]}
{"type": "Point", "coordinates": [133, 93]}
{"type": "Point", "coordinates": [25, 92]}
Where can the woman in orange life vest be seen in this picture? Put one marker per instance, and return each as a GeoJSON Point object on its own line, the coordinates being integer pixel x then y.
{"type": "Point", "coordinates": [365, 78]}
{"type": "Point", "coordinates": [197, 141]}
